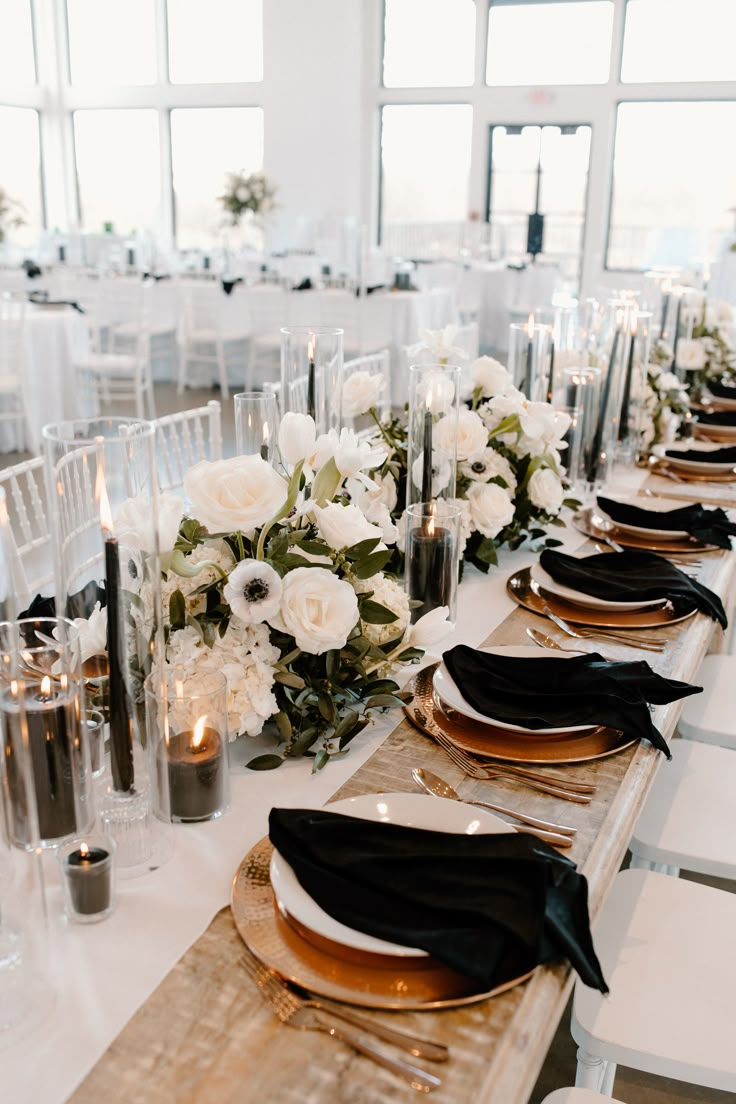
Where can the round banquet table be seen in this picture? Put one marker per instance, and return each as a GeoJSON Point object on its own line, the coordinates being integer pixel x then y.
{"type": "Point", "coordinates": [103, 973]}
{"type": "Point", "coordinates": [54, 338]}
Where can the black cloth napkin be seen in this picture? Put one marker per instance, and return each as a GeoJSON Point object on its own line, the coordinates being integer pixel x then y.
{"type": "Point", "coordinates": [722, 390]}
{"type": "Point", "coordinates": [371, 289]}
{"type": "Point", "coordinates": [304, 285]}
{"type": "Point", "coordinates": [630, 576]}
{"type": "Point", "coordinates": [491, 907]}
{"type": "Point", "coordinates": [720, 417]}
{"type": "Point", "coordinates": [726, 455]}
{"type": "Point", "coordinates": [228, 285]}
{"type": "Point", "coordinates": [708, 525]}
{"type": "Point", "coordinates": [559, 693]}
{"type": "Point", "coordinates": [58, 303]}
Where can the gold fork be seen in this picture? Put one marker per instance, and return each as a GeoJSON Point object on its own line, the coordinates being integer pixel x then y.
{"type": "Point", "coordinates": [475, 770]}
{"type": "Point", "coordinates": [290, 1010]}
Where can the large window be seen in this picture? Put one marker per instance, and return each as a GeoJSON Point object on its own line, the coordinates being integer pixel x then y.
{"type": "Point", "coordinates": [549, 43]}
{"type": "Point", "coordinates": [215, 42]}
{"type": "Point", "coordinates": [428, 43]}
{"type": "Point", "coordinates": [679, 40]}
{"type": "Point", "coordinates": [425, 165]}
{"type": "Point", "coordinates": [17, 65]}
{"type": "Point", "coordinates": [118, 169]}
{"type": "Point", "coordinates": [206, 144]}
{"type": "Point", "coordinates": [21, 173]}
{"type": "Point", "coordinates": [673, 182]}
{"type": "Point", "coordinates": [111, 42]}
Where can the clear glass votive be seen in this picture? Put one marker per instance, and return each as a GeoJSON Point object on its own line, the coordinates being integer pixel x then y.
{"type": "Point", "coordinates": [188, 721]}
{"type": "Point", "coordinates": [432, 556]}
{"type": "Point", "coordinates": [311, 370]}
{"type": "Point", "coordinates": [529, 360]}
{"type": "Point", "coordinates": [256, 424]}
{"type": "Point", "coordinates": [434, 402]}
{"type": "Point", "coordinates": [87, 867]}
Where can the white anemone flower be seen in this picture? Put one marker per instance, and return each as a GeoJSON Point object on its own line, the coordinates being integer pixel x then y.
{"type": "Point", "coordinates": [253, 591]}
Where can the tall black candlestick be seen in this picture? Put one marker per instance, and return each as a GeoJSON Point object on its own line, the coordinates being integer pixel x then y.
{"type": "Point", "coordinates": [676, 332]}
{"type": "Point", "coordinates": [427, 458]}
{"type": "Point", "coordinates": [551, 377]}
{"type": "Point", "coordinates": [603, 412]}
{"type": "Point", "coordinates": [623, 425]}
{"type": "Point", "coordinates": [528, 373]}
{"type": "Point", "coordinates": [121, 734]}
{"type": "Point", "coordinates": [665, 308]}
{"type": "Point", "coordinates": [310, 390]}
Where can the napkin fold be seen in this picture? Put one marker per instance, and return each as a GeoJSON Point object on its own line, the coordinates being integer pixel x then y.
{"type": "Point", "coordinates": [631, 576]}
{"type": "Point", "coordinates": [552, 692]}
{"type": "Point", "coordinates": [726, 455]}
{"type": "Point", "coordinates": [718, 417]}
{"type": "Point", "coordinates": [492, 907]}
{"type": "Point", "coordinates": [722, 390]}
{"type": "Point", "coordinates": [708, 525]}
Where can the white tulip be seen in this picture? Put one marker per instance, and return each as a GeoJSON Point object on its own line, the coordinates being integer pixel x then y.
{"type": "Point", "coordinates": [342, 526]}
{"type": "Point", "coordinates": [430, 628]}
{"type": "Point", "coordinates": [297, 438]}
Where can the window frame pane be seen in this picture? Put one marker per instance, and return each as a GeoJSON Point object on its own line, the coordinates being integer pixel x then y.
{"type": "Point", "coordinates": [690, 25]}
{"type": "Point", "coordinates": [606, 73]}
{"type": "Point", "coordinates": [119, 230]}
{"type": "Point", "coordinates": [431, 84]}
{"type": "Point", "coordinates": [41, 186]}
{"type": "Point", "coordinates": [204, 81]}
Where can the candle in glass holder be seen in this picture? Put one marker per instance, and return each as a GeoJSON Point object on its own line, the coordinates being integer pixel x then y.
{"type": "Point", "coordinates": [427, 452]}
{"type": "Point", "coordinates": [88, 876]}
{"type": "Point", "coordinates": [430, 566]}
{"type": "Point", "coordinates": [197, 769]}
{"type": "Point", "coordinates": [311, 404]}
{"type": "Point", "coordinates": [551, 374]}
{"type": "Point", "coordinates": [527, 388]}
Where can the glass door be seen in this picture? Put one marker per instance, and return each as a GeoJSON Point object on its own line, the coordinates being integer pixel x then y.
{"type": "Point", "coordinates": [540, 170]}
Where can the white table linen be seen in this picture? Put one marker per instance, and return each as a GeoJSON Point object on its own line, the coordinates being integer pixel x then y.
{"type": "Point", "coordinates": [103, 973]}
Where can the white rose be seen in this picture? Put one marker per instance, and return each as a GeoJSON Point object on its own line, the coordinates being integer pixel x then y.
{"type": "Point", "coordinates": [690, 354]}
{"type": "Point", "coordinates": [491, 508]}
{"type": "Point", "coordinates": [297, 437]}
{"type": "Point", "coordinates": [317, 609]}
{"type": "Point", "coordinates": [486, 465]}
{"type": "Point", "coordinates": [489, 376]}
{"type": "Point", "coordinates": [238, 494]}
{"type": "Point", "coordinates": [133, 524]}
{"type": "Point", "coordinates": [668, 381]}
{"type": "Point", "coordinates": [360, 392]}
{"type": "Point", "coordinates": [342, 526]}
{"type": "Point", "coordinates": [501, 407]}
{"type": "Point", "coordinates": [545, 490]}
{"type": "Point", "coordinates": [462, 437]}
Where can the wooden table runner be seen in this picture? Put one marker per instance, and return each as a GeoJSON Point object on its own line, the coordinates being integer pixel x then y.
{"type": "Point", "coordinates": [206, 1036]}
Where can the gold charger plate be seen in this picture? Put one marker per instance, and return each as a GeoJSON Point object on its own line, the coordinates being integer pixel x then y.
{"type": "Point", "coordinates": [686, 475]}
{"type": "Point", "coordinates": [528, 594]}
{"type": "Point", "coordinates": [372, 981]}
{"type": "Point", "coordinates": [429, 715]}
{"type": "Point", "coordinates": [584, 521]}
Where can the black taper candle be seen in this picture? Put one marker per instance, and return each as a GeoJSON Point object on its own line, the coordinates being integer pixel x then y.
{"type": "Point", "coordinates": [430, 567]}
{"type": "Point", "coordinates": [121, 734]}
{"type": "Point", "coordinates": [623, 425]}
{"type": "Point", "coordinates": [427, 458]}
{"type": "Point", "coordinates": [594, 458]}
{"type": "Point", "coordinates": [528, 373]}
{"type": "Point", "coordinates": [676, 331]}
{"type": "Point", "coordinates": [311, 406]}
{"type": "Point", "coordinates": [665, 308]}
{"type": "Point", "coordinates": [551, 376]}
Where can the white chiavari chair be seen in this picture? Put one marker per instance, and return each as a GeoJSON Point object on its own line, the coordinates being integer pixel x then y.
{"type": "Point", "coordinates": [185, 438]}
{"type": "Point", "coordinates": [206, 342]}
{"type": "Point", "coordinates": [29, 534]}
{"type": "Point", "coordinates": [12, 357]}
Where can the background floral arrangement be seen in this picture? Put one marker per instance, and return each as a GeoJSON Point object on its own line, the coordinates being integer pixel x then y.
{"type": "Point", "coordinates": [708, 355]}
{"type": "Point", "coordinates": [11, 214]}
{"type": "Point", "coordinates": [247, 193]}
{"type": "Point", "coordinates": [509, 478]}
{"type": "Point", "coordinates": [666, 400]}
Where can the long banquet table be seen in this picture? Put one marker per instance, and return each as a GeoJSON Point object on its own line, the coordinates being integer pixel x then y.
{"type": "Point", "coordinates": [152, 1006]}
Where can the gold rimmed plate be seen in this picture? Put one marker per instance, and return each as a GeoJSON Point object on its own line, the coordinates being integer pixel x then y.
{"type": "Point", "coordinates": [432, 716]}
{"type": "Point", "coordinates": [528, 594]}
{"type": "Point", "coordinates": [374, 982]}
{"type": "Point", "coordinates": [589, 522]}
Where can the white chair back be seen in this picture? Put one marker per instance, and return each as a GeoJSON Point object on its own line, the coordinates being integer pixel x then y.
{"type": "Point", "coordinates": [185, 438]}
{"type": "Point", "coordinates": [31, 562]}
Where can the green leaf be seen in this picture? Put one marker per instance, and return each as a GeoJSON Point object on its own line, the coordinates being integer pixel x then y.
{"type": "Point", "coordinates": [265, 762]}
{"type": "Point", "coordinates": [332, 663]}
{"type": "Point", "coordinates": [303, 742]}
{"type": "Point", "coordinates": [410, 655]}
{"type": "Point", "coordinates": [326, 707]}
{"type": "Point", "coordinates": [487, 551]}
{"type": "Point", "coordinates": [177, 610]}
{"type": "Point", "coordinates": [325, 483]}
{"type": "Point", "coordinates": [383, 701]}
{"type": "Point", "coordinates": [372, 564]}
{"type": "Point", "coordinates": [361, 549]}
{"type": "Point", "coordinates": [208, 632]}
{"type": "Point", "coordinates": [283, 724]}
{"type": "Point", "coordinates": [321, 760]}
{"type": "Point", "coordinates": [346, 737]}
{"type": "Point", "coordinates": [380, 686]}
{"type": "Point", "coordinates": [288, 678]}
{"type": "Point", "coordinates": [346, 723]}
{"type": "Point", "coordinates": [375, 614]}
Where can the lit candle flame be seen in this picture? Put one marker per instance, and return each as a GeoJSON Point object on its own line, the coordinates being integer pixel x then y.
{"type": "Point", "coordinates": [84, 850]}
{"type": "Point", "coordinates": [266, 432]}
{"type": "Point", "coordinates": [198, 736]}
{"type": "Point", "coordinates": [430, 525]}
{"type": "Point", "coordinates": [633, 328]}
{"type": "Point", "coordinates": [14, 688]}
{"type": "Point", "coordinates": [310, 347]}
{"type": "Point", "coordinates": [45, 686]}
{"type": "Point", "coordinates": [102, 497]}
{"type": "Point", "coordinates": [530, 326]}
{"type": "Point", "coordinates": [429, 399]}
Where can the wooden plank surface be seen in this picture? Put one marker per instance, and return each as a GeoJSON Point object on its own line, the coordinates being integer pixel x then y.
{"type": "Point", "coordinates": [206, 1036]}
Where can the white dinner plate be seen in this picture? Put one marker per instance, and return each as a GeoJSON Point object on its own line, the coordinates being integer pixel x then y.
{"type": "Point", "coordinates": [693, 463]}
{"type": "Point", "coordinates": [407, 809]}
{"type": "Point", "coordinates": [543, 579]}
{"type": "Point", "coordinates": [447, 689]}
{"type": "Point", "coordinates": [646, 531]}
{"type": "Point", "coordinates": [724, 403]}
{"type": "Point", "coordinates": [708, 429]}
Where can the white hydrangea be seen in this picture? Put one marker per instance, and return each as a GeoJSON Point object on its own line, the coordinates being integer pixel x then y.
{"type": "Point", "coordinates": [390, 594]}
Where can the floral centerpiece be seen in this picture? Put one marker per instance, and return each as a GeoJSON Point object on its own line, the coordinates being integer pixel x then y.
{"type": "Point", "coordinates": [509, 477]}
{"type": "Point", "coordinates": [708, 354]}
{"type": "Point", "coordinates": [278, 580]}
{"type": "Point", "coordinates": [244, 193]}
{"type": "Point", "coordinates": [11, 214]}
{"type": "Point", "coordinates": [666, 405]}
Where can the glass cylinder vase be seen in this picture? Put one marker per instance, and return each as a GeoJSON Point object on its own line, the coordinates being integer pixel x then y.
{"type": "Point", "coordinates": [433, 556]}
{"type": "Point", "coordinates": [612, 358]}
{"type": "Point", "coordinates": [257, 425]}
{"type": "Point", "coordinates": [44, 739]}
{"type": "Point", "coordinates": [103, 486]}
{"type": "Point", "coordinates": [311, 373]}
{"type": "Point", "coordinates": [434, 400]}
{"type": "Point", "coordinates": [632, 416]}
{"type": "Point", "coordinates": [529, 357]}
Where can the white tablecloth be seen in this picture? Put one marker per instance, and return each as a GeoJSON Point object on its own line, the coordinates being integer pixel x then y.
{"type": "Point", "coordinates": [54, 339]}
{"type": "Point", "coordinates": [103, 973]}
{"type": "Point", "coordinates": [505, 294]}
